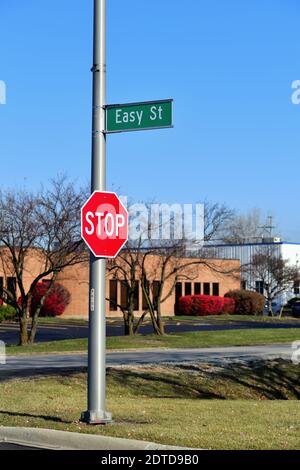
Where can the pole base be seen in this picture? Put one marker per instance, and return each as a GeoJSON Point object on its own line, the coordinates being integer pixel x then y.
{"type": "Point", "coordinates": [96, 417]}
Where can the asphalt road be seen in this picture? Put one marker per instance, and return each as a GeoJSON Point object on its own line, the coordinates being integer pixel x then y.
{"type": "Point", "coordinates": [9, 446]}
{"type": "Point", "coordinates": [31, 365]}
{"type": "Point", "coordinates": [9, 332]}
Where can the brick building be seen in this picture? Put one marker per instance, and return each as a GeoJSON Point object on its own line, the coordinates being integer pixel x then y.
{"type": "Point", "coordinates": [217, 278]}
{"type": "Point", "coordinates": [211, 277]}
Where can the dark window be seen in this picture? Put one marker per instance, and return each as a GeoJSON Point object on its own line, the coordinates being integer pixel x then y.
{"type": "Point", "coordinates": [216, 288]}
{"type": "Point", "coordinates": [178, 292]}
{"type": "Point", "coordinates": [155, 290]}
{"type": "Point", "coordinates": [144, 301]}
{"type": "Point", "coordinates": [188, 288]}
{"type": "Point", "coordinates": [113, 295]}
{"type": "Point", "coordinates": [297, 287]}
{"type": "Point", "coordinates": [137, 295]}
{"type": "Point", "coordinates": [197, 288]}
{"type": "Point", "coordinates": [124, 294]}
{"type": "Point", "coordinates": [1, 286]}
{"type": "Point", "coordinates": [206, 288]}
{"type": "Point", "coordinates": [243, 285]}
{"type": "Point", "coordinates": [12, 285]}
{"type": "Point", "coordinates": [259, 287]}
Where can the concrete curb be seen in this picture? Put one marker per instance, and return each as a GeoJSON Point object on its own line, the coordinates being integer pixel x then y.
{"type": "Point", "coordinates": [62, 440]}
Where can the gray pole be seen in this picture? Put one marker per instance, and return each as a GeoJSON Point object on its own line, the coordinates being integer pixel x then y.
{"type": "Point", "coordinates": [96, 413]}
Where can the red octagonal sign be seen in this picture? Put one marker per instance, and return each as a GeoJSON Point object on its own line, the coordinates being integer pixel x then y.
{"type": "Point", "coordinates": [104, 224]}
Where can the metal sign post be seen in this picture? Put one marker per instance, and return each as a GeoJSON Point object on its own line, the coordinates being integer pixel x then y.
{"type": "Point", "coordinates": [96, 413]}
{"type": "Point", "coordinates": [106, 120]}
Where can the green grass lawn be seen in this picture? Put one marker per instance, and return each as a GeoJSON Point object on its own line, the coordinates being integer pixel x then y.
{"type": "Point", "coordinates": [177, 318]}
{"type": "Point", "coordinates": [235, 318]}
{"type": "Point", "coordinates": [230, 318]}
{"type": "Point", "coordinates": [196, 406]}
{"type": "Point", "coordinates": [196, 339]}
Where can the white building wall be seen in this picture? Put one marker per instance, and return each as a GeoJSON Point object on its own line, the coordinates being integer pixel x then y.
{"type": "Point", "coordinates": [245, 252]}
{"type": "Point", "coordinates": [291, 252]}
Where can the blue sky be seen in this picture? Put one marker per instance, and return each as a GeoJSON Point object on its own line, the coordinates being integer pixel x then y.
{"type": "Point", "coordinates": [228, 64]}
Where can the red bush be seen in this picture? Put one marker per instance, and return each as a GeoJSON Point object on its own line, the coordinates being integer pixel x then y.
{"type": "Point", "coordinates": [201, 305]}
{"type": "Point", "coordinates": [1, 302]}
{"type": "Point", "coordinates": [55, 302]}
{"type": "Point", "coordinates": [229, 305]}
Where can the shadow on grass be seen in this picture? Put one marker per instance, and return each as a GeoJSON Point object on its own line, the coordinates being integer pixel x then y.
{"type": "Point", "coordinates": [7, 376]}
{"type": "Point", "coordinates": [273, 380]}
{"type": "Point", "coordinates": [161, 385]}
{"type": "Point", "coordinates": [29, 415]}
{"type": "Point", "coordinates": [269, 380]}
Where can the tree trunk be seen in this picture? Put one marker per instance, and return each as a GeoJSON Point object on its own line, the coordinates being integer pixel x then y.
{"type": "Point", "coordinates": [281, 311]}
{"type": "Point", "coordinates": [157, 325]}
{"type": "Point", "coordinates": [33, 329]}
{"type": "Point", "coordinates": [161, 326]}
{"type": "Point", "coordinates": [23, 331]}
{"type": "Point", "coordinates": [128, 325]}
{"type": "Point", "coordinates": [140, 321]}
{"type": "Point", "coordinates": [35, 318]}
{"type": "Point", "coordinates": [270, 309]}
{"type": "Point", "coordinates": [160, 323]}
{"type": "Point", "coordinates": [154, 311]}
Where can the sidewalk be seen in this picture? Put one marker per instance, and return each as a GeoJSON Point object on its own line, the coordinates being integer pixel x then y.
{"type": "Point", "coordinates": [61, 440]}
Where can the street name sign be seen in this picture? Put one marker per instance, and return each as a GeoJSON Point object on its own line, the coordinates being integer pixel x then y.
{"type": "Point", "coordinates": [139, 116]}
{"type": "Point", "coordinates": [104, 224]}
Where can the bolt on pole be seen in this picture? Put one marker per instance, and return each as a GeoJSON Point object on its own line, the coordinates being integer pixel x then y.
{"type": "Point", "coordinates": [96, 413]}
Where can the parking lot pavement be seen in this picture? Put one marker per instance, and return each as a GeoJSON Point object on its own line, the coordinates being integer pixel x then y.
{"type": "Point", "coordinates": [9, 332]}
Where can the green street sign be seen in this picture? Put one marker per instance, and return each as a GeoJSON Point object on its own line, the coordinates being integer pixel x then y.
{"type": "Point", "coordinates": [139, 116]}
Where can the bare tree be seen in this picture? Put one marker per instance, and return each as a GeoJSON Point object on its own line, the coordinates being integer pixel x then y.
{"type": "Point", "coordinates": [157, 269]}
{"type": "Point", "coordinates": [217, 219]}
{"type": "Point", "coordinates": [40, 234]}
{"type": "Point", "coordinates": [243, 228]}
{"type": "Point", "coordinates": [159, 266]}
{"type": "Point", "coordinates": [125, 269]}
{"type": "Point", "coordinates": [275, 274]}
{"type": "Point", "coordinates": [161, 269]}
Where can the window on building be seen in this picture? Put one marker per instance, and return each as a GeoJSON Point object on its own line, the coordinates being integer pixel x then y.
{"type": "Point", "coordinates": [259, 287]}
{"type": "Point", "coordinates": [155, 290]}
{"type": "Point", "coordinates": [244, 285]}
{"type": "Point", "coordinates": [206, 288]}
{"type": "Point", "coordinates": [113, 295]}
{"type": "Point", "coordinates": [178, 292]}
{"type": "Point", "coordinates": [297, 287]}
{"type": "Point", "coordinates": [124, 294]}
{"type": "Point", "coordinates": [137, 296]}
{"type": "Point", "coordinates": [216, 288]}
{"type": "Point", "coordinates": [197, 288]}
{"type": "Point", "coordinates": [1, 286]}
{"type": "Point", "coordinates": [12, 285]}
{"type": "Point", "coordinates": [188, 288]}
{"type": "Point", "coordinates": [144, 301]}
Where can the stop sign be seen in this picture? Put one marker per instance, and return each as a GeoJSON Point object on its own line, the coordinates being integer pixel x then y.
{"type": "Point", "coordinates": [104, 224]}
